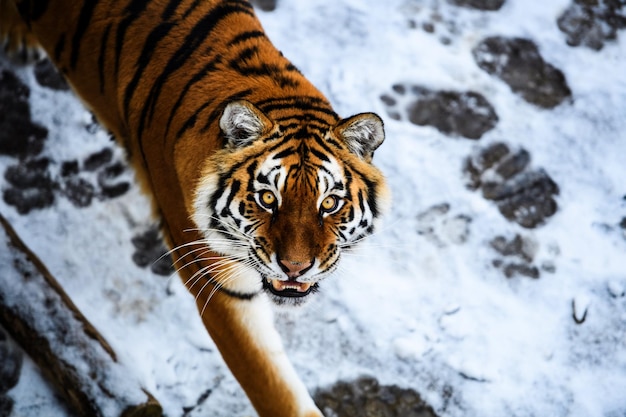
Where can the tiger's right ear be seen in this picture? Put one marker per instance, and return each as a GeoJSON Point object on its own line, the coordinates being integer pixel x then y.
{"type": "Point", "coordinates": [242, 123]}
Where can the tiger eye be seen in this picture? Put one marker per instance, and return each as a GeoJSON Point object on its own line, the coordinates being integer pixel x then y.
{"type": "Point", "coordinates": [329, 203]}
{"type": "Point", "coordinates": [268, 198]}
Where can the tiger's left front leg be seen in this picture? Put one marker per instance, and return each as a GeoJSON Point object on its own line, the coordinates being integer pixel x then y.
{"type": "Point", "coordinates": [244, 332]}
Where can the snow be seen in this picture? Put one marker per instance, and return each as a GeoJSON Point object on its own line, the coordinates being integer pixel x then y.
{"type": "Point", "coordinates": [421, 305]}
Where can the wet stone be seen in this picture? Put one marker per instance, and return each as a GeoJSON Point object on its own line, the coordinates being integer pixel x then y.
{"type": "Point", "coordinates": [518, 63]}
{"type": "Point", "coordinates": [365, 397]}
{"type": "Point", "coordinates": [487, 5]}
{"type": "Point", "coordinates": [48, 76]}
{"type": "Point", "coordinates": [591, 23]}
{"type": "Point", "coordinates": [467, 114]}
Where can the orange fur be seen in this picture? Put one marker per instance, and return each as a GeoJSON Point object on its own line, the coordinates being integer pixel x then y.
{"type": "Point", "coordinates": [163, 76]}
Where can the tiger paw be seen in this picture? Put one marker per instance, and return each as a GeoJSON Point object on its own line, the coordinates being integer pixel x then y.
{"type": "Point", "coordinates": [523, 195]}
{"type": "Point", "coordinates": [467, 114]}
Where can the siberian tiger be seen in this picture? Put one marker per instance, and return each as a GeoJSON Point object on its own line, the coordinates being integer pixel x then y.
{"type": "Point", "coordinates": [232, 142]}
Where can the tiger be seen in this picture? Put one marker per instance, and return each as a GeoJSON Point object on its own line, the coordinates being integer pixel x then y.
{"type": "Point", "coordinates": [258, 184]}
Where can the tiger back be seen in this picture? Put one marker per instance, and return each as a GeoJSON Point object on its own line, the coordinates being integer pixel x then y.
{"type": "Point", "coordinates": [259, 184]}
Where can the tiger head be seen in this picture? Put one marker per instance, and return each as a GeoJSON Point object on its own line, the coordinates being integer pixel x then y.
{"type": "Point", "coordinates": [281, 204]}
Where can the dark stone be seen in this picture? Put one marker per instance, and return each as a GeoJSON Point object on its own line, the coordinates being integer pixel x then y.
{"type": "Point", "coordinates": [488, 5]}
{"type": "Point", "coordinates": [517, 62]}
{"type": "Point", "coordinates": [365, 397]}
{"type": "Point", "coordinates": [592, 22]}
{"type": "Point", "coordinates": [10, 363]}
{"type": "Point", "coordinates": [466, 114]}
{"type": "Point", "coordinates": [48, 76]}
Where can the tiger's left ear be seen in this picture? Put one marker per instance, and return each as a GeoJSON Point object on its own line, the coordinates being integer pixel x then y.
{"type": "Point", "coordinates": [363, 133]}
{"type": "Point", "coordinates": [242, 123]}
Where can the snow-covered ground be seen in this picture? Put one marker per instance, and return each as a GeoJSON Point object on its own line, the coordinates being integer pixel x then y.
{"type": "Point", "coordinates": [425, 304]}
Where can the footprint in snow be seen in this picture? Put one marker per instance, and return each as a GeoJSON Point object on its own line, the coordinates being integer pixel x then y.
{"type": "Point", "coordinates": [522, 194]}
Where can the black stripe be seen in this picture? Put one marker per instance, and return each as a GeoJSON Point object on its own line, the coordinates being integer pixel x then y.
{"type": "Point", "coordinates": [81, 27]}
{"type": "Point", "coordinates": [244, 36]}
{"type": "Point", "coordinates": [234, 189]}
{"type": "Point", "coordinates": [192, 41]}
{"type": "Point", "coordinates": [148, 49]}
{"type": "Point", "coordinates": [191, 9]}
{"type": "Point", "coordinates": [133, 11]}
{"type": "Point", "coordinates": [274, 100]}
{"type": "Point", "coordinates": [102, 56]}
{"type": "Point", "coordinates": [320, 155]}
{"type": "Point", "coordinates": [300, 105]}
{"type": "Point", "coordinates": [191, 121]}
{"type": "Point", "coordinates": [301, 118]}
{"type": "Point", "coordinates": [32, 10]}
{"type": "Point", "coordinates": [285, 153]}
{"type": "Point", "coordinates": [59, 47]}
{"type": "Point", "coordinates": [209, 67]}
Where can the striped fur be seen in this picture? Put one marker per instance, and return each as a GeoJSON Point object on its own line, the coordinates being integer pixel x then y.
{"type": "Point", "coordinates": [259, 184]}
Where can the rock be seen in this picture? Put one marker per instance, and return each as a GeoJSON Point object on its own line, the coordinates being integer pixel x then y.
{"type": "Point", "coordinates": [517, 62]}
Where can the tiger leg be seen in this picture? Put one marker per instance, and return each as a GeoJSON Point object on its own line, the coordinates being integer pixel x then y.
{"type": "Point", "coordinates": [17, 40]}
{"type": "Point", "coordinates": [244, 332]}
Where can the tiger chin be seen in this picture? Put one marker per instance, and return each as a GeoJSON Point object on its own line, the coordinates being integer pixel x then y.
{"type": "Point", "coordinates": [259, 185]}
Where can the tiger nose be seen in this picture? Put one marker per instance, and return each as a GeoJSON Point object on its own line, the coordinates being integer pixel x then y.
{"type": "Point", "coordinates": [295, 269]}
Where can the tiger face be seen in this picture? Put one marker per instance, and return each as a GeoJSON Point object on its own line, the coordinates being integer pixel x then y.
{"type": "Point", "coordinates": [282, 203]}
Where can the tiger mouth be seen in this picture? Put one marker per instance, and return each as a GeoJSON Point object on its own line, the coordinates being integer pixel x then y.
{"type": "Point", "coordinates": [288, 288]}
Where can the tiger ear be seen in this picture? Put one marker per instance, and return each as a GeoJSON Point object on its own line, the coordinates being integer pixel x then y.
{"type": "Point", "coordinates": [362, 133]}
{"type": "Point", "coordinates": [242, 123]}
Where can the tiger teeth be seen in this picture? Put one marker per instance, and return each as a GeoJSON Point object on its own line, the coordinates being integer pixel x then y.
{"type": "Point", "coordinates": [279, 285]}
